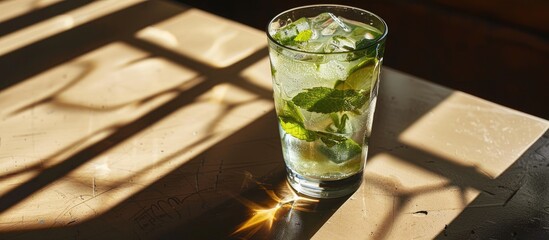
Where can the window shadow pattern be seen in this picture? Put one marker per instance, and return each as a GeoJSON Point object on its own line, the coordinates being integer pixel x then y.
{"type": "Point", "coordinates": [63, 47]}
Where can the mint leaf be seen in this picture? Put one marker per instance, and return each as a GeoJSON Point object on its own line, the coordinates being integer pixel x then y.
{"type": "Point", "coordinates": [337, 148]}
{"type": "Point", "coordinates": [338, 125]}
{"type": "Point", "coordinates": [330, 139]}
{"type": "Point", "coordinates": [328, 100]}
{"type": "Point", "coordinates": [368, 37]}
{"type": "Point", "coordinates": [296, 129]}
{"type": "Point", "coordinates": [363, 43]}
{"type": "Point", "coordinates": [292, 122]}
{"type": "Point", "coordinates": [286, 35]}
{"type": "Point", "coordinates": [290, 110]}
{"type": "Point", "coordinates": [342, 151]}
{"type": "Point", "coordinates": [342, 124]}
{"type": "Point", "coordinates": [303, 36]}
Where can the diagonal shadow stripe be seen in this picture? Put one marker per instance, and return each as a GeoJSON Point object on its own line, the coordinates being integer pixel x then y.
{"type": "Point", "coordinates": [525, 212]}
{"type": "Point", "coordinates": [53, 173]}
{"type": "Point", "coordinates": [119, 222]}
{"type": "Point", "coordinates": [28, 19]}
{"type": "Point", "coordinates": [205, 70]}
{"type": "Point", "coordinates": [74, 49]}
{"type": "Point", "coordinates": [24, 63]}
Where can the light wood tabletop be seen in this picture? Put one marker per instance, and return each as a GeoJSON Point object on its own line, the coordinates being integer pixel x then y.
{"type": "Point", "coordinates": [154, 120]}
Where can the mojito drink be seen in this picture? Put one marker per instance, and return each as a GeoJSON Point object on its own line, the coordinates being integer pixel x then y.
{"type": "Point", "coordinates": [325, 68]}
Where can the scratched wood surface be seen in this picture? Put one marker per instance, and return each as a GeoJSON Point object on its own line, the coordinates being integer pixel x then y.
{"type": "Point", "coordinates": [119, 119]}
{"type": "Point", "coordinates": [151, 120]}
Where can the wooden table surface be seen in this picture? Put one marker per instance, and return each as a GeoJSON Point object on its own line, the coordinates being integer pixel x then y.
{"type": "Point", "coordinates": [152, 120]}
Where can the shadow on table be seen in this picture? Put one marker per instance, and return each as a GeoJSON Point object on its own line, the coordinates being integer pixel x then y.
{"type": "Point", "coordinates": [40, 14]}
{"type": "Point", "coordinates": [509, 206]}
{"type": "Point", "coordinates": [523, 194]}
{"type": "Point", "coordinates": [249, 159]}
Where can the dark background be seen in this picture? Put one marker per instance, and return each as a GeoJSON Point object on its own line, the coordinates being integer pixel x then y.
{"type": "Point", "coordinates": [494, 49]}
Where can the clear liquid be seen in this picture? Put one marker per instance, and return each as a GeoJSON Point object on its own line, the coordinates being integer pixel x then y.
{"type": "Point", "coordinates": [309, 160]}
{"type": "Point", "coordinates": [317, 166]}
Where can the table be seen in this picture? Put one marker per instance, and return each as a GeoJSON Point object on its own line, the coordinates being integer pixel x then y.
{"type": "Point", "coordinates": [153, 120]}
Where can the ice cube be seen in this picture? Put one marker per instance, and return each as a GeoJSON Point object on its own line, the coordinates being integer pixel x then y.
{"type": "Point", "coordinates": [294, 76]}
{"type": "Point", "coordinates": [302, 24]}
{"type": "Point", "coordinates": [274, 27]}
{"type": "Point", "coordinates": [315, 35]}
{"type": "Point", "coordinates": [287, 33]}
{"type": "Point", "coordinates": [332, 24]}
{"type": "Point", "coordinates": [331, 71]}
{"type": "Point", "coordinates": [316, 121]}
{"type": "Point", "coordinates": [339, 44]}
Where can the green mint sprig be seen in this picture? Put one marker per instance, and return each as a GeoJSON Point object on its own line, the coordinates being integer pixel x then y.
{"type": "Point", "coordinates": [338, 148]}
{"type": "Point", "coordinates": [339, 123]}
{"type": "Point", "coordinates": [328, 100]}
{"type": "Point", "coordinates": [341, 152]}
{"type": "Point", "coordinates": [292, 122]}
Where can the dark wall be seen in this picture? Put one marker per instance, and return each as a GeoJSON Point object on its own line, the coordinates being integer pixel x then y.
{"type": "Point", "coordinates": [495, 49]}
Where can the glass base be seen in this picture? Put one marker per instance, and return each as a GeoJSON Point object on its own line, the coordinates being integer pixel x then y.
{"type": "Point", "coordinates": [324, 189]}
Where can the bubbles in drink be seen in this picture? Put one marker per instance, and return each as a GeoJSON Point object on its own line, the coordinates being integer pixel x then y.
{"type": "Point", "coordinates": [317, 143]}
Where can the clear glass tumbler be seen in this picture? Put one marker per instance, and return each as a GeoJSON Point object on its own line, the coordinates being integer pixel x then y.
{"type": "Point", "coordinates": [325, 64]}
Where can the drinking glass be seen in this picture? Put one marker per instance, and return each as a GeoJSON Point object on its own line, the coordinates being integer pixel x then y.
{"type": "Point", "coordinates": [325, 64]}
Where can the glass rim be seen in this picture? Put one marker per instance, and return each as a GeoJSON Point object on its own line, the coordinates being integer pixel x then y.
{"type": "Point", "coordinates": [380, 39]}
